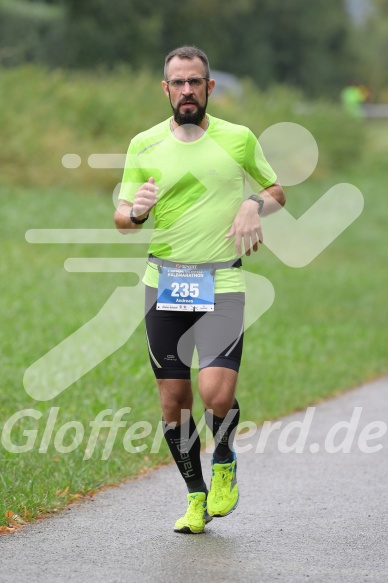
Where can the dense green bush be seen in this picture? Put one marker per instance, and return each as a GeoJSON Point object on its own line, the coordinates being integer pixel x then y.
{"type": "Point", "coordinates": [44, 115]}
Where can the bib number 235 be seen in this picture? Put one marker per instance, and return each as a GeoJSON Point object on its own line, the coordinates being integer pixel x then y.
{"type": "Point", "coordinates": [184, 290]}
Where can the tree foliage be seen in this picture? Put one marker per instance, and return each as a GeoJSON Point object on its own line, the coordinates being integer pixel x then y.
{"type": "Point", "coordinates": [371, 41]}
{"type": "Point", "coordinates": [304, 43]}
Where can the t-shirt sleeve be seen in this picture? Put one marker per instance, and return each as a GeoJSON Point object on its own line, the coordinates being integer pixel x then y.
{"type": "Point", "coordinates": [258, 172]}
{"type": "Point", "coordinates": [133, 176]}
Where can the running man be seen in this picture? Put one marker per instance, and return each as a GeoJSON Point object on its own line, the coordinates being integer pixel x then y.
{"type": "Point", "coordinates": [200, 176]}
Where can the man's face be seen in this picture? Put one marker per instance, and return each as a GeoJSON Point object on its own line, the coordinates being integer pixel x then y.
{"type": "Point", "coordinates": [188, 102]}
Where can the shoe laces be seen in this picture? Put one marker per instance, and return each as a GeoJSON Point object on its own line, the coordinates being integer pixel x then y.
{"type": "Point", "coordinates": [222, 480]}
{"type": "Point", "coordinates": [193, 507]}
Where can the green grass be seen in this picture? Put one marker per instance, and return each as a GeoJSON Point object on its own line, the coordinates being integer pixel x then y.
{"type": "Point", "coordinates": [325, 332]}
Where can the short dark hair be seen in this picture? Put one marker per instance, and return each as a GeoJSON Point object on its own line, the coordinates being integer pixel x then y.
{"type": "Point", "coordinates": [187, 52]}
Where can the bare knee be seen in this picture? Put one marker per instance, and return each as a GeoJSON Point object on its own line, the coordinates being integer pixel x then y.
{"type": "Point", "coordinates": [176, 399]}
{"type": "Point", "coordinates": [217, 389]}
{"type": "Point", "coordinates": [219, 404]}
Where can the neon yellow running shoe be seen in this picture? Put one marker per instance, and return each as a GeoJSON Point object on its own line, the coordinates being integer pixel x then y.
{"type": "Point", "coordinates": [223, 495]}
{"type": "Point", "coordinates": [196, 517]}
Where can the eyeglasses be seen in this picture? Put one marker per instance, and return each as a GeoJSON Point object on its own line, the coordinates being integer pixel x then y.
{"type": "Point", "coordinates": [192, 81]}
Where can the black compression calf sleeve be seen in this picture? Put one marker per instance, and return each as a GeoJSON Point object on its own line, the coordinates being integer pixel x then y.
{"type": "Point", "coordinates": [223, 429]}
{"type": "Point", "coordinates": [185, 447]}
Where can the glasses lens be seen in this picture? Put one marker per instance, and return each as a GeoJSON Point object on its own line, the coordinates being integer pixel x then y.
{"type": "Point", "coordinates": [195, 81]}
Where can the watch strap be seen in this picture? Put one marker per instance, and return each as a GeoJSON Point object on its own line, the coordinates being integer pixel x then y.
{"type": "Point", "coordinates": [135, 220]}
{"type": "Point", "coordinates": [259, 200]}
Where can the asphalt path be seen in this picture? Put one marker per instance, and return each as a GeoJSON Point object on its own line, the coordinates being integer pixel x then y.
{"type": "Point", "coordinates": [318, 515]}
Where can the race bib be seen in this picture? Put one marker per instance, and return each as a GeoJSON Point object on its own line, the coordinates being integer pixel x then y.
{"type": "Point", "coordinates": [186, 288]}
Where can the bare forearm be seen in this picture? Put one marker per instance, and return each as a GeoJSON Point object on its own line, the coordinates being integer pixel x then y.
{"type": "Point", "coordinates": [123, 221]}
{"type": "Point", "coordinates": [274, 198]}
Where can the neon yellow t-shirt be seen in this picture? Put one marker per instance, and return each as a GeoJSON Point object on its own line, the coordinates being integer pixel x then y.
{"type": "Point", "coordinates": [201, 187]}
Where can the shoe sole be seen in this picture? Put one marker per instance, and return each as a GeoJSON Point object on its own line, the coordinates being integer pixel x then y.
{"type": "Point", "coordinates": [186, 530]}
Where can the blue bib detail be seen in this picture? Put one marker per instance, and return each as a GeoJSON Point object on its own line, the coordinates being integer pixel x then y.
{"type": "Point", "coordinates": [188, 289]}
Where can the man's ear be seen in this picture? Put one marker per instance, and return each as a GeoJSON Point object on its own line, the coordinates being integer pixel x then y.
{"type": "Point", "coordinates": [210, 85]}
{"type": "Point", "coordinates": [165, 88]}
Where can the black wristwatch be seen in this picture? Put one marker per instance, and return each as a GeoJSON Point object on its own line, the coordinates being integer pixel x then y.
{"type": "Point", "coordinates": [135, 220]}
{"type": "Point", "coordinates": [259, 200]}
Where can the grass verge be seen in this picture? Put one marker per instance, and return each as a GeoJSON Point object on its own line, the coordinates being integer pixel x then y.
{"type": "Point", "coordinates": [325, 333]}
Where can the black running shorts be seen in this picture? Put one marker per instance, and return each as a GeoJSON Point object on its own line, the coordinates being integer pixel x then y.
{"type": "Point", "coordinates": [172, 336]}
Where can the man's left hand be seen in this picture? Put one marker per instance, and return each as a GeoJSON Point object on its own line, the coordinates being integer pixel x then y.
{"type": "Point", "coordinates": [246, 227]}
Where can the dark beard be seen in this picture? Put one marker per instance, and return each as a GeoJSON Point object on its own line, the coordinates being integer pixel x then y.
{"type": "Point", "coordinates": [194, 118]}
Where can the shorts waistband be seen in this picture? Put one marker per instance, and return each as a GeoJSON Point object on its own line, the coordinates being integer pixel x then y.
{"type": "Point", "coordinates": [211, 265]}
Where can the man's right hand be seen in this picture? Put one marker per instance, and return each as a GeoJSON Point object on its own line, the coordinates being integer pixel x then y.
{"type": "Point", "coordinates": [145, 198]}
